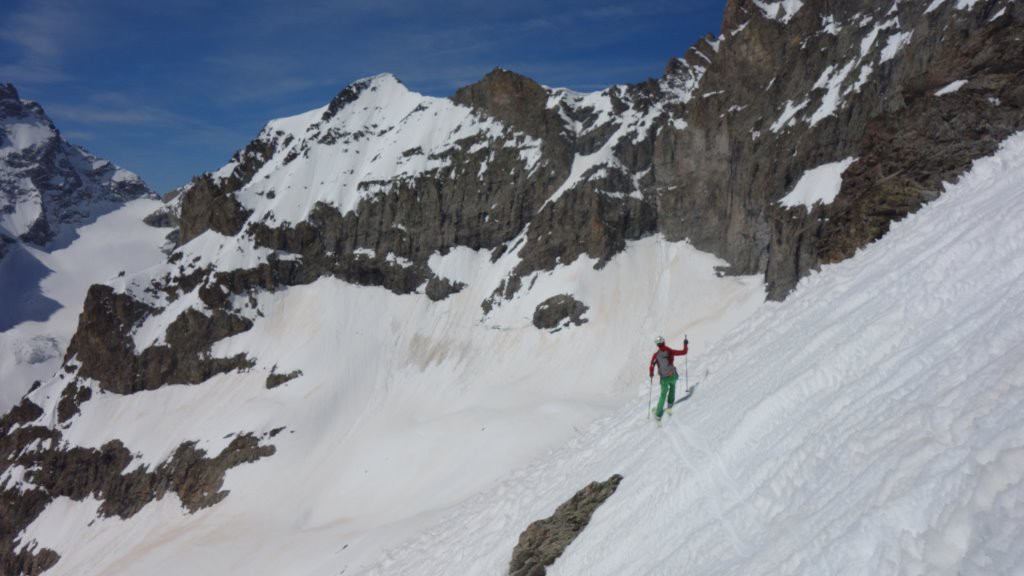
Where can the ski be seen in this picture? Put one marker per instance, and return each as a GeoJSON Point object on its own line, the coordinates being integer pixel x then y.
{"type": "Point", "coordinates": [689, 391]}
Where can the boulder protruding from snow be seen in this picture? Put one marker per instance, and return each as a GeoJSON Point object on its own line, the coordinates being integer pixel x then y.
{"type": "Point", "coordinates": [559, 312]}
{"type": "Point", "coordinates": [544, 540]}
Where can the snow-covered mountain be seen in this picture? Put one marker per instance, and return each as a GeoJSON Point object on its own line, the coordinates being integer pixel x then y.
{"type": "Point", "coordinates": [385, 318]}
{"type": "Point", "coordinates": [52, 195]}
{"type": "Point", "coordinates": [48, 186]}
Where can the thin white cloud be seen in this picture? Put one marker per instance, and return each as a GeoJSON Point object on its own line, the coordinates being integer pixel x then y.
{"type": "Point", "coordinates": [28, 74]}
{"type": "Point", "coordinates": [41, 30]}
{"type": "Point", "coordinates": [111, 110]}
{"type": "Point", "coordinates": [78, 136]}
{"type": "Point", "coordinates": [609, 12]}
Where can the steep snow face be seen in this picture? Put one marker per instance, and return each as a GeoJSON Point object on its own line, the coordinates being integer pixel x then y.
{"type": "Point", "coordinates": [383, 135]}
{"type": "Point", "coordinates": [870, 424]}
{"type": "Point", "coordinates": [43, 290]}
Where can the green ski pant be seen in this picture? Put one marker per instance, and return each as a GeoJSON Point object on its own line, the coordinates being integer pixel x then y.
{"type": "Point", "coordinates": [668, 388]}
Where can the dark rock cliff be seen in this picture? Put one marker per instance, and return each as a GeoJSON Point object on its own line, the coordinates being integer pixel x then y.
{"type": "Point", "coordinates": [906, 139]}
{"type": "Point", "coordinates": [545, 540]}
{"type": "Point", "coordinates": [709, 165]}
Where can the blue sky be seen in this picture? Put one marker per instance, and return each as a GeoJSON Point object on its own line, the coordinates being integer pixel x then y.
{"type": "Point", "coordinates": [172, 89]}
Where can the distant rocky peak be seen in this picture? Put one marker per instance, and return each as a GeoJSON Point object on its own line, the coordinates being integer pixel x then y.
{"type": "Point", "coordinates": [683, 75]}
{"type": "Point", "coordinates": [502, 91]}
{"type": "Point", "coordinates": [513, 99]}
{"type": "Point", "coordinates": [47, 185]}
{"type": "Point", "coordinates": [23, 124]}
{"type": "Point", "coordinates": [352, 92]}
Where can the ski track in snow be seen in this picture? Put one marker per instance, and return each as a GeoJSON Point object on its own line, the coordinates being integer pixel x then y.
{"type": "Point", "coordinates": [870, 424]}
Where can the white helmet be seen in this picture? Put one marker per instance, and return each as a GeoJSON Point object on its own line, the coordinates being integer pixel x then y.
{"type": "Point", "coordinates": [659, 340]}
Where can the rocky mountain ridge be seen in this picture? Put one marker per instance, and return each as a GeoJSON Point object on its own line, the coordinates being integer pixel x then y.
{"type": "Point", "coordinates": [375, 185]}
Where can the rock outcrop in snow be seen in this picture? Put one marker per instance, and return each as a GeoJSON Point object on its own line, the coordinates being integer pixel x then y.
{"type": "Point", "coordinates": [545, 540]}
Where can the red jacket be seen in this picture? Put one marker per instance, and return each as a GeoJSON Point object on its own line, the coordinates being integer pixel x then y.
{"type": "Point", "coordinates": [671, 354]}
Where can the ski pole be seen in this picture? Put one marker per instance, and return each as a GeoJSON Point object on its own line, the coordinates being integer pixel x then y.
{"type": "Point", "coordinates": [686, 341]}
{"type": "Point", "coordinates": [650, 397]}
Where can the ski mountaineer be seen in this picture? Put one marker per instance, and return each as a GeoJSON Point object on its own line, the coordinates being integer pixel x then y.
{"type": "Point", "coordinates": [667, 370]}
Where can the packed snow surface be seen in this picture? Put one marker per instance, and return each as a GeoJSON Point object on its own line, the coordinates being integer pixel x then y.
{"type": "Point", "coordinates": [820, 184]}
{"type": "Point", "coordinates": [24, 135]}
{"type": "Point", "coordinates": [788, 116]}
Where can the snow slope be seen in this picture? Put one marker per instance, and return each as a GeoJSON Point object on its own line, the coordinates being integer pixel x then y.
{"type": "Point", "coordinates": [43, 291]}
{"type": "Point", "coordinates": [374, 451]}
{"type": "Point", "coordinates": [870, 424]}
